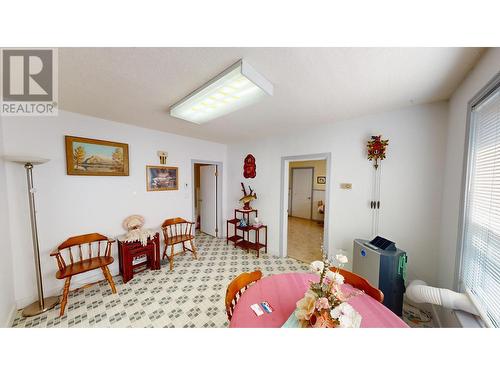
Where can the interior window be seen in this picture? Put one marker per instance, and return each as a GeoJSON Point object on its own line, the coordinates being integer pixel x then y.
{"type": "Point", "coordinates": [480, 262]}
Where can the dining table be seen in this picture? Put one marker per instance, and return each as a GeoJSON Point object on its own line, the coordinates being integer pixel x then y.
{"type": "Point", "coordinates": [282, 291]}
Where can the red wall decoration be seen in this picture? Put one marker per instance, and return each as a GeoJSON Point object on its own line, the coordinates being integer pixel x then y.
{"type": "Point", "coordinates": [249, 168]}
{"type": "Point", "coordinates": [376, 149]}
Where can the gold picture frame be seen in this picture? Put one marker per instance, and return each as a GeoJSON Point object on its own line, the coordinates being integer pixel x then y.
{"type": "Point", "coordinates": [95, 157]}
{"type": "Point", "coordinates": [321, 180]}
{"type": "Point", "coordinates": [162, 178]}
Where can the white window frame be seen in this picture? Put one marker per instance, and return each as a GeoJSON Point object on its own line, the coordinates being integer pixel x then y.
{"type": "Point", "coordinates": [483, 94]}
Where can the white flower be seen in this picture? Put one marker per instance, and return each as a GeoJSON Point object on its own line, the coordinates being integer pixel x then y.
{"type": "Point", "coordinates": [347, 316]}
{"type": "Point", "coordinates": [330, 275]}
{"type": "Point", "coordinates": [341, 258]}
{"type": "Point", "coordinates": [335, 277]}
{"type": "Point", "coordinates": [339, 279]}
{"type": "Point", "coordinates": [317, 267]}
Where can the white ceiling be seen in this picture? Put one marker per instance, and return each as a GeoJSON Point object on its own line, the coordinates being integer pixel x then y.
{"type": "Point", "coordinates": [312, 86]}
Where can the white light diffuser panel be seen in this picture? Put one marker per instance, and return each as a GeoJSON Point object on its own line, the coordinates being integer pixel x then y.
{"type": "Point", "coordinates": [237, 87]}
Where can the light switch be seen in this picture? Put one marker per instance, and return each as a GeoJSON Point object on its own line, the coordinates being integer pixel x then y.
{"type": "Point", "coordinates": [346, 185]}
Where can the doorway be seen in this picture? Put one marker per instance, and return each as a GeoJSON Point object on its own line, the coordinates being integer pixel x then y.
{"type": "Point", "coordinates": [206, 197]}
{"type": "Point", "coordinates": [304, 207]}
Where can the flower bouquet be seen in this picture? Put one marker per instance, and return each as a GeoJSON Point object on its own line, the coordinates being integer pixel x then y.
{"type": "Point", "coordinates": [324, 305]}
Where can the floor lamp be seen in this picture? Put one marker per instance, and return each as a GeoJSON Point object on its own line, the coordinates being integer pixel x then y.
{"type": "Point", "coordinates": [43, 304]}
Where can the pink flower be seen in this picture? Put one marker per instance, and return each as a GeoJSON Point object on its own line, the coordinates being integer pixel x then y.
{"type": "Point", "coordinates": [322, 303]}
{"type": "Point", "coordinates": [337, 292]}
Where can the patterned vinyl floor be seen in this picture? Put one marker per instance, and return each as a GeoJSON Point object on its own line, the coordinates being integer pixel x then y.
{"type": "Point", "coordinates": [192, 295]}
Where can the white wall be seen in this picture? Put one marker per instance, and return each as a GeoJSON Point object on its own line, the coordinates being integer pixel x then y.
{"type": "Point", "coordinates": [484, 71]}
{"type": "Point", "coordinates": [411, 180]}
{"type": "Point", "coordinates": [72, 205]}
{"type": "Point", "coordinates": [6, 279]}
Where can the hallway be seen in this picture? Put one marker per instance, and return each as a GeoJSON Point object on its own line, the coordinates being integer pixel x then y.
{"type": "Point", "coordinates": [304, 239]}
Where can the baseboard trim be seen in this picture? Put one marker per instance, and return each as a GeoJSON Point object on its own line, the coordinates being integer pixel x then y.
{"type": "Point", "coordinates": [75, 284]}
{"type": "Point", "coordinates": [10, 317]}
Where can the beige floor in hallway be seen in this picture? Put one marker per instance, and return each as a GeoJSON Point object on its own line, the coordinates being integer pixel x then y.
{"type": "Point", "coordinates": [304, 239]}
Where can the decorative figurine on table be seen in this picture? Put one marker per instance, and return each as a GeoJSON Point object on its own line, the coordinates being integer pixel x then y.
{"type": "Point", "coordinates": [243, 223]}
{"type": "Point", "coordinates": [135, 232]}
{"type": "Point", "coordinates": [256, 222]}
{"type": "Point", "coordinates": [247, 197]}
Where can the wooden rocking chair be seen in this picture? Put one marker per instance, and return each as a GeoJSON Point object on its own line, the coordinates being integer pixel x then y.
{"type": "Point", "coordinates": [87, 260]}
{"type": "Point", "coordinates": [177, 231]}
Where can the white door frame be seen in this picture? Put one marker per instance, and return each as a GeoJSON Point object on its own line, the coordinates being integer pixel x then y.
{"type": "Point", "coordinates": [312, 192]}
{"type": "Point", "coordinates": [285, 181]}
{"type": "Point", "coordinates": [220, 227]}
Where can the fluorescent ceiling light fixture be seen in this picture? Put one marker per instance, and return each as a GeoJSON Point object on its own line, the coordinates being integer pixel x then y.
{"type": "Point", "coordinates": [237, 87]}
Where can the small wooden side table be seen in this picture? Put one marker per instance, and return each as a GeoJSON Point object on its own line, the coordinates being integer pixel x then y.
{"type": "Point", "coordinates": [247, 245]}
{"type": "Point", "coordinates": [128, 251]}
{"type": "Point", "coordinates": [245, 214]}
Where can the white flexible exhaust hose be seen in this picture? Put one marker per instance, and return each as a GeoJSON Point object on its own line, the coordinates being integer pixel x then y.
{"type": "Point", "coordinates": [418, 291]}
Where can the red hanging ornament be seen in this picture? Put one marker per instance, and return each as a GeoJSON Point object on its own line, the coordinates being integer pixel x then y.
{"type": "Point", "coordinates": [249, 167]}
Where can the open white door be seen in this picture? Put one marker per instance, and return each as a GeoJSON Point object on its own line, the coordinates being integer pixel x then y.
{"type": "Point", "coordinates": [302, 192]}
{"type": "Point", "coordinates": [208, 199]}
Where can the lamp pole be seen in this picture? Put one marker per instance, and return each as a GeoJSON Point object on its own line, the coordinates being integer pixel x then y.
{"type": "Point", "coordinates": [43, 304]}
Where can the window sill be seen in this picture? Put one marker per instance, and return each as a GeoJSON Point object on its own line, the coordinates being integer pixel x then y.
{"type": "Point", "coordinates": [467, 320]}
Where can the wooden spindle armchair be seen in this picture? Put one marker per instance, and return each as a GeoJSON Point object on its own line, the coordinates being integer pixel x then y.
{"type": "Point", "coordinates": [236, 288]}
{"type": "Point", "coordinates": [90, 255]}
{"type": "Point", "coordinates": [176, 231]}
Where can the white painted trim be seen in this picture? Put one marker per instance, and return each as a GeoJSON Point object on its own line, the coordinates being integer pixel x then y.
{"type": "Point", "coordinates": [467, 320]}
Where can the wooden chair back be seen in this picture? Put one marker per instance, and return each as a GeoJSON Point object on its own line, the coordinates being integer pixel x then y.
{"type": "Point", "coordinates": [87, 246]}
{"type": "Point", "coordinates": [176, 227]}
{"type": "Point", "coordinates": [236, 288]}
{"type": "Point", "coordinates": [360, 283]}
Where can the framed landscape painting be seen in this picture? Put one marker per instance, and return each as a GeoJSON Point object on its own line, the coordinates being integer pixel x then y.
{"type": "Point", "coordinates": [160, 178]}
{"type": "Point", "coordinates": [93, 157]}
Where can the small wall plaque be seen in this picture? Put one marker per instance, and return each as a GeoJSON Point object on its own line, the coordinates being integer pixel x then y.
{"type": "Point", "coordinates": [163, 157]}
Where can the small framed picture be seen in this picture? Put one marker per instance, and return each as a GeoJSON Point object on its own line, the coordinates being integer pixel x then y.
{"type": "Point", "coordinates": [160, 178]}
{"type": "Point", "coordinates": [321, 180]}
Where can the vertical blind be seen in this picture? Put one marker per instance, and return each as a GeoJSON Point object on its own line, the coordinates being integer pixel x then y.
{"type": "Point", "coordinates": [480, 270]}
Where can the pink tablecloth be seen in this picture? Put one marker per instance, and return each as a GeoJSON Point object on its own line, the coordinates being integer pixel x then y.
{"type": "Point", "coordinates": [284, 290]}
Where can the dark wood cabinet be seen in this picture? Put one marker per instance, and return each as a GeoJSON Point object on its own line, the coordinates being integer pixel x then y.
{"type": "Point", "coordinates": [129, 252]}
